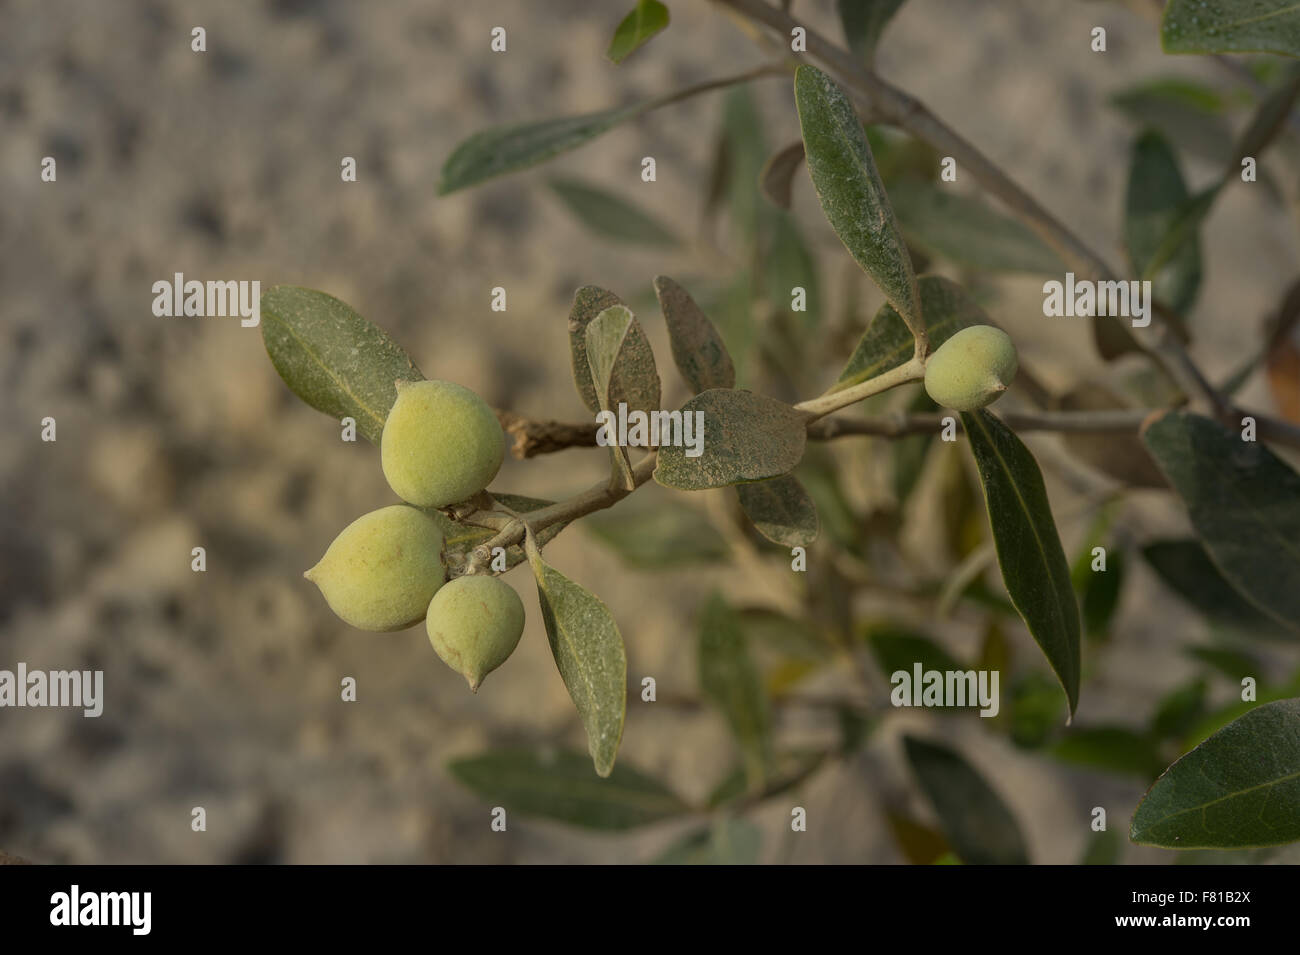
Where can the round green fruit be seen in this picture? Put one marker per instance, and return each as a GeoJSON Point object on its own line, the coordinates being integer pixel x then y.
{"type": "Point", "coordinates": [474, 624]}
{"type": "Point", "coordinates": [381, 572]}
{"type": "Point", "coordinates": [441, 444]}
{"type": "Point", "coordinates": [972, 368]}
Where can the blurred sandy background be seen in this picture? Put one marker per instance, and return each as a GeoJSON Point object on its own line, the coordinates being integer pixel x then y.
{"type": "Point", "coordinates": [223, 688]}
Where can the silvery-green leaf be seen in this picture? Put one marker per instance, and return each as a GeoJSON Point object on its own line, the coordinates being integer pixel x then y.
{"type": "Point", "coordinates": [781, 510]}
{"type": "Point", "coordinates": [588, 651]}
{"type": "Point", "coordinates": [747, 437]}
{"type": "Point", "coordinates": [698, 350]}
{"type": "Point", "coordinates": [848, 185]}
{"type": "Point", "coordinates": [1231, 26]}
{"type": "Point", "coordinates": [610, 216]}
{"type": "Point", "coordinates": [332, 358]}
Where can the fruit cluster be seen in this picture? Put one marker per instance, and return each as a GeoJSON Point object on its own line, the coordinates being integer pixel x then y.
{"type": "Point", "coordinates": [441, 445]}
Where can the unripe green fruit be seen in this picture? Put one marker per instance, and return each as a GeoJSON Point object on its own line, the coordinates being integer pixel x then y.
{"type": "Point", "coordinates": [474, 624]}
{"type": "Point", "coordinates": [972, 368]}
{"type": "Point", "coordinates": [441, 444]}
{"type": "Point", "coordinates": [381, 572]}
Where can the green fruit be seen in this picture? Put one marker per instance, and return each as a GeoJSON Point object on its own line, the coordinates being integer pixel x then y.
{"type": "Point", "coordinates": [441, 444]}
{"type": "Point", "coordinates": [474, 624]}
{"type": "Point", "coordinates": [382, 571]}
{"type": "Point", "coordinates": [972, 368]}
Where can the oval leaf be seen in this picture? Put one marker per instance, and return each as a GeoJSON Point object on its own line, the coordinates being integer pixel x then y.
{"type": "Point", "coordinates": [606, 336]}
{"type": "Point", "coordinates": [1244, 502]}
{"type": "Point", "coordinates": [559, 785]}
{"type": "Point", "coordinates": [780, 510]}
{"type": "Point", "coordinates": [747, 437]}
{"type": "Point", "coordinates": [1238, 789]}
{"type": "Point", "coordinates": [849, 188]}
{"type": "Point", "coordinates": [1231, 26]}
{"type": "Point", "coordinates": [1033, 564]}
{"type": "Point", "coordinates": [1186, 568]}
{"type": "Point", "coordinates": [588, 651]}
{"type": "Point", "coordinates": [608, 215]}
{"type": "Point", "coordinates": [730, 680]}
{"type": "Point", "coordinates": [887, 342]}
{"type": "Point", "coordinates": [332, 358]}
{"type": "Point", "coordinates": [698, 350]}
{"type": "Point", "coordinates": [647, 18]}
{"type": "Point", "coordinates": [864, 21]}
{"type": "Point", "coordinates": [966, 231]}
{"type": "Point", "coordinates": [977, 823]}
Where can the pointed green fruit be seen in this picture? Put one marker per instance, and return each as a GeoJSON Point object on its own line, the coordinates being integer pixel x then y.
{"type": "Point", "coordinates": [474, 623]}
{"type": "Point", "coordinates": [382, 571]}
{"type": "Point", "coordinates": [972, 368]}
{"type": "Point", "coordinates": [441, 444]}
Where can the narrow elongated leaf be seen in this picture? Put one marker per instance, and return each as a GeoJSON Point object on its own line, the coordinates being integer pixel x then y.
{"type": "Point", "coordinates": [966, 231]}
{"type": "Point", "coordinates": [781, 510]}
{"type": "Point", "coordinates": [727, 842]}
{"type": "Point", "coordinates": [647, 18]}
{"type": "Point", "coordinates": [698, 350]}
{"type": "Point", "coordinates": [332, 358]}
{"type": "Point", "coordinates": [667, 535]}
{"type": "Point", "coordinates": [1156, 192]}
{"type": "Point", "coordinates": [747, 437]}
{"type": "Point", "coordinates": [1238, 789]}
{"type": "Point", "coordinates": [1244, 502]}
{"type": "Point", "coordinates": [729, 679]}
{"type": "Point", "coordinates": [1231, 26]}
{"type": "Point", "coordinates": [634, 379]}
{"type": "Point", "coordinates": [606, 336]}
{"type": "Point", "coordinates": [977, 823]}
{"type": "Point", "coordinates": [588, 651]}
{"type": "Point", "coordinates": [897, 649]}
{"type": "Point", "coordinates": [864, 21]}
{"type": "Point", "coordinates": [887, 343]}
{"type": "Point", "coordinates": [1029, 549]}
{"type": "Point", "coordinates": [1186, 568]}
{"type": "Point", "coordinates": [506, 149]}
{"type": "Point", "coordinates": [1189, 114]}
{"type": "Point", "coordinates": [611, 216]}
{"type": "Point", "coordinates": [559, 785]}
{"type": "Point", "coordinates": [848, 185]}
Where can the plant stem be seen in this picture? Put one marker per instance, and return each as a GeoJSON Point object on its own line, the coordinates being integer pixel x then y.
{"type": "Point", "coordinates": [904, 110]}
{"type": "Point", "coordinates": [913, 370]}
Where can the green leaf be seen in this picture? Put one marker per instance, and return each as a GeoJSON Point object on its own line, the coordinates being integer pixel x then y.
{"type": "Point", "coordinates": [747, 437]}
{"type": "Point", "coordinates": [332, 358]}
{"type": "Point", "coordinates": [1029, 549]}
{"type": "Point", "coordinates": [1185, 567]}
{"type": "Point", "coordinates": [589, 653]}
{"type": "Point", "coordinates": [634, 378]}
{"type": "Point", "coordinates": [1231, 26]}
{"type": "Point", "coordinates": [887, 342]}
{"type": "Point", "coordinates": [647, 18]}
{"type": "Point", "coordinates": [967, 232]}
{"type": "Point", "coordinates": [781, 510]}
{"type": "Point", "coordinates": [559, 785]}
{"type": "Point", "coordinates": [1244, 502]}
{"type": "Point", "coordinates": [730, 680]}
{"type": "Point", "coordinates": [1099, 596]}
{"type": "Point", "coordinates": [506, 149]}
{"type": "Point", "coordinates": [864, 21]}
{"type": "Point", "coordinates": [1112, 749]}
{"type": "Point", "coordinates": [666, 536]}
{"type": "Point", "coordinates": [1238, 789]}
{"type": "Point", "coordinates": [850, 191]}
{"type": "Point", "coordinates": [898, 649]}
{"type": "Point", "coordinates": [610, 216]}
{"type": "Point", "coordinates": [1234, 664]}
{"type": "Point", "coordinates": [698, 349]}
{"type": "Point", "coordinates": [726, 842]}
{"type": "Point", "coordinates": [1156, 192]}
{"type": "Point", "coordinates": [977, 823]}
{"type": "Point", "coordinates": [606, 336]}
